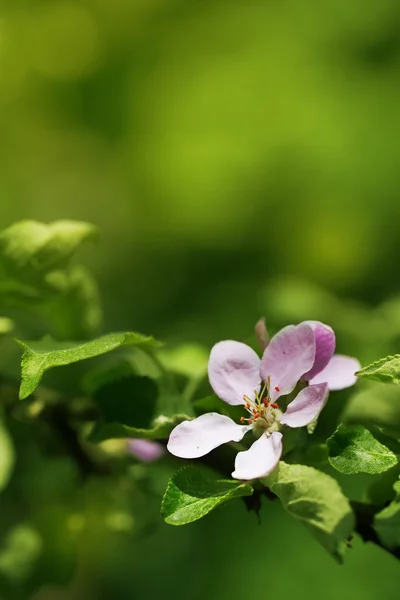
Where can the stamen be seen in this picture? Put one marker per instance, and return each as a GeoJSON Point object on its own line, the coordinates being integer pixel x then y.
{"type": "Point", "coordinates": [277, 389]}
{"type": "Point", "coordinates": [242, 419]}
{"type": "Point", "coordinates": [265, 402]}
{"type": "Point", "coordinates": [274, 405]}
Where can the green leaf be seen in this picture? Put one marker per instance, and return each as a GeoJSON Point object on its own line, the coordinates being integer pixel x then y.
{"type": "Point", "coordinates": [316, 500]}
{"type": "Point", "coordinates": [386, 370]}
{"type": "Point", "coordinates": [30, 247]}
{"type": "Point", "coordinates": [158, 429]}
{"type": "Point", "coordinates": [7, 456]}
{"type": "Point", "coordinates": [387, 522]}
{"type": "Point", "coordinates": [6, 326]}
{"type": "Point", "coordinates": [194, 491]}
{"type": "Point", "coordinates": [40, 356]}
{"type": "Point", "coordinates": [376, 406]}
{"type": "Point", "coordinates": [353, 449]}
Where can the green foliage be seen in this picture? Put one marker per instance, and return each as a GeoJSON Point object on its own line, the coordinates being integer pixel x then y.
{"type": "Point", "coordinates": [386, 370]}
{"type": "Point", "coordinates": [387, 522]}
{"type": "Point", "coordinates": [158, 429]}
{"type": "Point", "coordinates": [189, 360]}
{"type": "Point", "coordinates": [381, 491]}
{"type": "Point", "coordinates": [6, 326]}
{"type": "Point", "coordinates": [35, 274]}
{"type": "Point", "coordinates": [129, 401]}
{"type": "Point", "coordinates": [75, 309]}
{"type": "Point", "coordinates": [143, 391]}
{"type": "Point", "coordinates": [353, 449]}
{"type": "Point", "coordinates": [18, 555]}
{"type": "Point", "coordinates": [195, 491]}
{"type": "Point", "coordinates": [40, 356]}
{"type": "Point", "coordinates": [29, 249]}
{"type": "Point", "coordinates": [316, 500]}
{"type": "Point", "coordinates": [7, 456]}
{"type": "Point", "coordinates": [376, 406]}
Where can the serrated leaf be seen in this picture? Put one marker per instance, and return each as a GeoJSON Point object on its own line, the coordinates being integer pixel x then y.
{"type": "Point", "coordinates": [40, 356]}
{"type": "Point", "coordinates": [316, 500]}
{"type": "Point", "coordinates": [377, 406]}
{"type": "Point", "coordinates": [194, 491]}
{"type": "Point", "coordinates": [353, 449]}
{"type": "Point", "coordinates": [158, 429]}
{"type": "Point", "coordinates": [387, 522]}
{"type": "Point", "coordinates": [386, 370]}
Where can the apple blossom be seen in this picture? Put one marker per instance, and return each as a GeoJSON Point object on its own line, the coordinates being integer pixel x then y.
{"type": "Point", "coordinates": [303, 352]}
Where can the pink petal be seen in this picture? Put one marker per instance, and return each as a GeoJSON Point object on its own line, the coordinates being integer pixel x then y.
{"type": "Point", "coordinates": [339, 373]}
{"type": "Point", "coordinates": [306, 406]}
{"type": "Point", "coordinates": [325, 343]}
{"type": "Point", "coordinates": [260, 459]}
{"type": "Point", "coordinates": [192, 439]}
{"type": "Point", "coordinates": [289, 355]}
{"type": "Point", "coordinates": [233, 371]}
{"type": "Point", "coordinates": [145, 450]}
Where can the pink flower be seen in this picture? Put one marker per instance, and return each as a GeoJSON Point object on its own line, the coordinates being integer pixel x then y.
{"type": "Point", "coordinates": [238, 376]}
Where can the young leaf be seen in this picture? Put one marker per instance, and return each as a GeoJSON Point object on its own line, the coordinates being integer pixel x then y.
{"type": "Point", "coordinates": [316, 500]}
{"type": "Point", "coordinates": [194, 491]}
{"type": "Point", "coordinates": [387, 522]}
{"type": "Point", "coordinates": [353, 449]}
{"type": "Point", "coordinates": [386, 370]}
{"type": "Point", "coordinates": [40, 356]}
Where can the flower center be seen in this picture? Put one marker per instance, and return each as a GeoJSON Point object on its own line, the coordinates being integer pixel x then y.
{"type": "Point", "coordinates": [263, 412]}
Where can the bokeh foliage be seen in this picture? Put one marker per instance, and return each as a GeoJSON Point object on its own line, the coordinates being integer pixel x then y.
{"type": "Point", "coordinates": [239, 159]}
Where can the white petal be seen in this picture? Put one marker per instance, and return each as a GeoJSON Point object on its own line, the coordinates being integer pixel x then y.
{"type": "Point", "coordinates": [260, 459]}
{"type": "Point", "coordinates": [233, 371]}
{"type": "Point", "coordinates": [192, 439]}
{"type": "Point", "coordinates": [289, 355]}
{"type": "Point", "coordinates": [306, 406]}
{"type": "Point", "coordinates": [339, 374]}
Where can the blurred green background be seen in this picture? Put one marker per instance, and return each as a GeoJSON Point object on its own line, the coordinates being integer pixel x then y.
{"type": "Point", "coordinates": [240, 159]}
